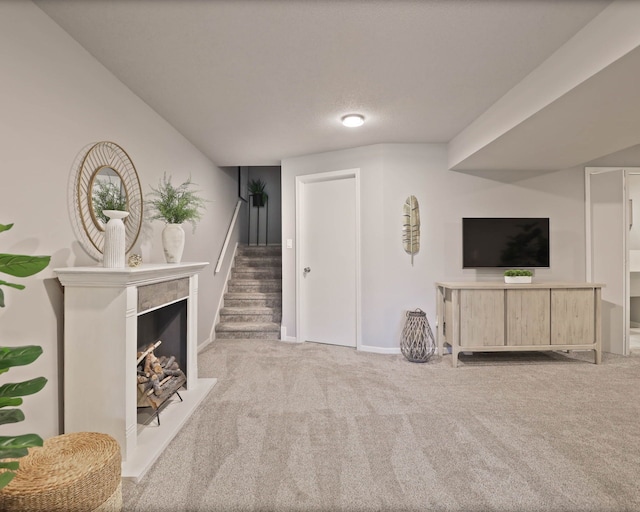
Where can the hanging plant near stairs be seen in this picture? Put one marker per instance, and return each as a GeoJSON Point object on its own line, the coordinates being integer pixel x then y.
{"type": "Point", "coordinates": [256, 188]}
{"type": "Point", "coordinates": [411, 226]}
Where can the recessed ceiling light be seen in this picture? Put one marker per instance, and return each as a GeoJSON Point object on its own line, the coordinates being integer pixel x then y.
{"type": "Point", "coordinates": [353, 120]}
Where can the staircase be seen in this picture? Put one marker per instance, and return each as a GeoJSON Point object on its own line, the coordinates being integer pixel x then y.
{"type": "Point", "coordinates": [253, 302]}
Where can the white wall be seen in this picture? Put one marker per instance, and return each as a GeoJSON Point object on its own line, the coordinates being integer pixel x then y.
{"type": "Point", "coordinates": [392, 172]}
{"type": "Point", "coordinates": [56, 99]}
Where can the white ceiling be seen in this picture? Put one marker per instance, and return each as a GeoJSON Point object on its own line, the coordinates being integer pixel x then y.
{"type": "Point", "coordinates": [251, 82]}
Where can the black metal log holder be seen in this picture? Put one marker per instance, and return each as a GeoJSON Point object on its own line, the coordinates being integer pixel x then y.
{"type": "Point", "coordinates": [162, 405]}
{"type": "Point", "coordinates": [168, 398]}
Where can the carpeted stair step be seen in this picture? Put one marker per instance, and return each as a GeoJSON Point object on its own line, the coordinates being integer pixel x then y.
{"type": "Point", "coordinates": [256, 273]}
{"type": "Point", "coordinates": [253, 299]}
{"type": "Point", "coordinates": [258, 261]}
{"type": "Point", "coordinates": [259, 250]}
{"type": "Point", "coordinates": [249, 315]}
{"type": "Point", "coordinates": [254, 285]}
{"type": "Point", "coordinates": [240, 330]}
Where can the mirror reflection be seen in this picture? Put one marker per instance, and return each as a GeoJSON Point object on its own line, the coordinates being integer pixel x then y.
{"type": "Point", "coordinates": [107, 192]}
{"type": "Point", "coordinates": [105, 178]}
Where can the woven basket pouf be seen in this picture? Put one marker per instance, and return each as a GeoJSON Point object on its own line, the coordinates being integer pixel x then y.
{"type": "Point", "coordinates": [78, 472]}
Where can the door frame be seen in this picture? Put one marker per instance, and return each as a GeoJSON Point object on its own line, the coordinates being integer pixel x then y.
{"type": "Point", "coordinates": [301, 181]}
{"type": "Point", "coordinates": [589, 172]}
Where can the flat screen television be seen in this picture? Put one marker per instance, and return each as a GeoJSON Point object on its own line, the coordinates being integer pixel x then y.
{"type": "Point", "coordinates": [505, 242]}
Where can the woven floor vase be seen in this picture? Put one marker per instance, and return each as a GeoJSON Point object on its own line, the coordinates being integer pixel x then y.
{"type": "Point", "coordinates": [417, 344]}
{"type": "Point", "coordinates": [78, 472]}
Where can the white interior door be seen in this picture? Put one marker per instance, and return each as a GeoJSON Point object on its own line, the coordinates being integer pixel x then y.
{"type": "Point", "coordinates": [607, 232]}
{"type": "Point", "coordinates": [633, 196]}
{"type": "Point", "coordinates": [327, 265]}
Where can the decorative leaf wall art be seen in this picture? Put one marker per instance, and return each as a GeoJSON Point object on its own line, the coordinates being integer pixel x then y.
{"type": "Point", "coordinates": [411, 226]}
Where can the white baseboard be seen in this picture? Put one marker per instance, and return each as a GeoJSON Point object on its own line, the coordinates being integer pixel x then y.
{"type": "Point", "coordinates": [204, 344]}
{"type": "Point", "coordinates": [362, 348]}
{"type": "Point", "coordinates": [380, 350]}
{"type": "Point", "coordinates": [284, 337]}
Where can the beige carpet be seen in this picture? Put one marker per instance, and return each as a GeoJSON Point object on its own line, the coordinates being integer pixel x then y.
{"type": "Point", "coordinates": [315, 427]}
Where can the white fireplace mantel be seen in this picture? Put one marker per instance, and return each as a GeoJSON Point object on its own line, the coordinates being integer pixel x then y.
{"type": "Point", "coordinates": [101, 308]}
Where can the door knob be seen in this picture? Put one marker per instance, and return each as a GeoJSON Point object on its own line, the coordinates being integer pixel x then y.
{"type": "Point", "coordinates": [306, 270]}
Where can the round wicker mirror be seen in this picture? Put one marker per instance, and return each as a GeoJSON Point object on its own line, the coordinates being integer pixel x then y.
{"type": "Point", "coordinates": [106, 179]}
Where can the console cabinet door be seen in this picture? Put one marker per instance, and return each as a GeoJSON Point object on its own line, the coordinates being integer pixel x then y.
{"type": "Point", "coordinates": [572, 317]}
{"type": "Point", "coordinates": [447, 328]}
{"type": "Point", "coordinates": [481, 318]}
{"type": "Point", "coordinates": [528, 317]}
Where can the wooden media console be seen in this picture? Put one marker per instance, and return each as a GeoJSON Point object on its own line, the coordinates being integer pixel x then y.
{"type": "Point", "coordinates": [496, 317]}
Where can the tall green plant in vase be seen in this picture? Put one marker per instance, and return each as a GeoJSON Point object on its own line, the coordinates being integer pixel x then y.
{"type": "Point", "coordinates": [175, 205]}
{"type": "Point", "coordinates": [14, 447]}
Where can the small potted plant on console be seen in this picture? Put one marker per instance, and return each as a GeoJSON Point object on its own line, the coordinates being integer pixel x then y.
{"type": "Point", "coordinates": [517, 276]}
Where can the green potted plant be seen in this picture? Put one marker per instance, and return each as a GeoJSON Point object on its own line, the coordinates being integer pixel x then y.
{"type": "Point", "coordinates": [16, 446]}
{"type": "Point", "coordinates": [256, 188]}
{"type": "Point", "coordinates": [517, 276]}
{"type": "Point", "coordinates": [175, 205]}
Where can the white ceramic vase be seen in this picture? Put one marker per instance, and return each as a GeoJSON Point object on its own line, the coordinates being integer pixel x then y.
{"type": "Point", "coordinates": [173, 242]}
{"type": "Point", "coordinates": [114, 239]}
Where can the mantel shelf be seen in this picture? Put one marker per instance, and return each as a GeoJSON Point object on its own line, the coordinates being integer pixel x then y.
{"type": "Point", "coordinates": [141, 275]}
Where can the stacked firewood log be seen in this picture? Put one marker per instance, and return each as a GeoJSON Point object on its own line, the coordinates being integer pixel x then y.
{"type": "Point", "coordinates": [158, 377]}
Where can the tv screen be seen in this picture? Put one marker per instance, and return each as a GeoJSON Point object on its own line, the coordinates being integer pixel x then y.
{"type": "Point", "coordinates": [505, 242]}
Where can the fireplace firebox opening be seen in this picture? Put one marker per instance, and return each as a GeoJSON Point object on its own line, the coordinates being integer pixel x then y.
{"type": "Point", "coordinates": [162, 357]}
